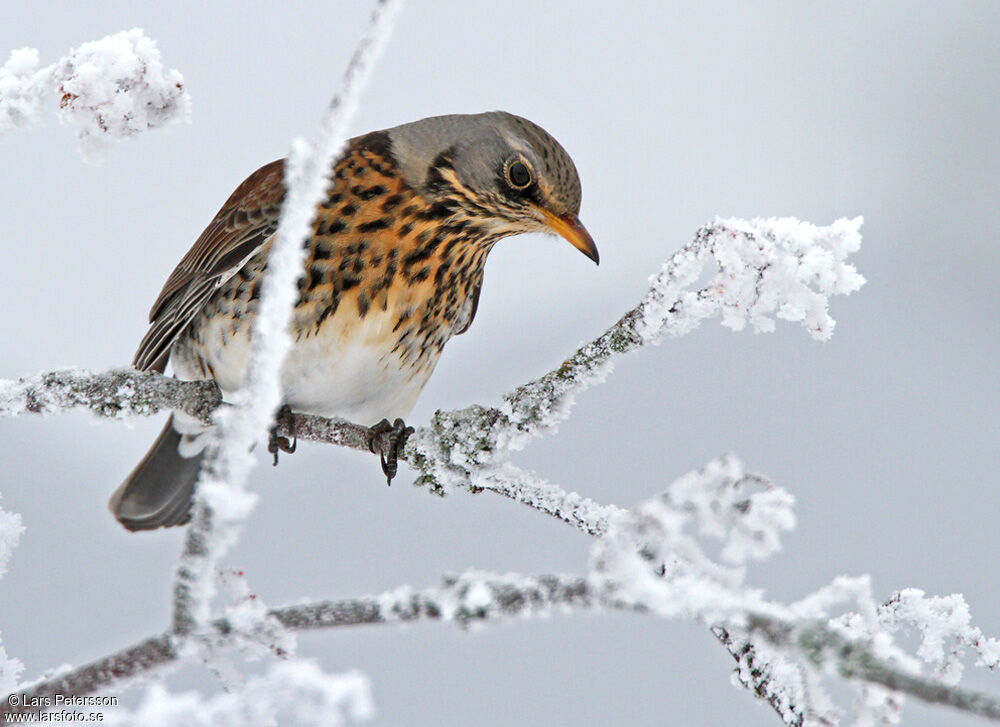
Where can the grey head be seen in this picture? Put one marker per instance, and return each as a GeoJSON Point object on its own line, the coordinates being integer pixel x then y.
{"type": "Point", "coordinates": [506, 171]}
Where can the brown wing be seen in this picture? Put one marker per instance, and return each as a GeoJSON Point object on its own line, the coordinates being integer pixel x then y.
{"type": "Point", "coordinates": [245, 222]}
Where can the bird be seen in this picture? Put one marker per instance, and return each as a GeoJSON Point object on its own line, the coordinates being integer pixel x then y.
{"type": "Point", "coordinates": [393, 269]}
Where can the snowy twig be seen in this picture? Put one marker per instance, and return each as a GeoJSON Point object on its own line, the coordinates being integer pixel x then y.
{"type": "Point", "coordinates": [777, 266]}
{"type": "Point", "coordinates": [475, 597]}
{"type": "Point", "coordinates": [852, 659]}
{"type": "Point", "coordinates": [656, 558]}
{"type": "Point", "coordinates": [464, 600]}
{"type": "Point", "coordinates": [857, 660]}
{"type": "Point", "coordinates": [222, 501]}
{"type": "Point", "coordinates": [116, 393]}
{"type": "Point", "coordinates": [819, 641]}
{"type": "Point", "coordinates": [109, 89]}
{"type": "Point", "coordinates": [754, 674]}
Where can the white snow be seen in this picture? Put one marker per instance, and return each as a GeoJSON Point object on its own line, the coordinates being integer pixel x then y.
{"type": "Point", "coordinates": [10, 534]}
{"type": "Point", "coordinates": [655, 557]}
{"type": "Point", "coordinates": [683, 554]}
{"type": "Point", "coordinates": [10, 671]}
{"type": "Point", "coordinates": [945, 627]}
{"type": "Point", "coordinates": [22, 90]}
{"type": "Point", "coordinates": [778, 267]}
{"type": "Point", "coordinates": [11, 529]}
{"type": "Point", "coordinates": [107, 90]}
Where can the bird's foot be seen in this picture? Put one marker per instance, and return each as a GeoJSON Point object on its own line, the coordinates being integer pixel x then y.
{"type": "Point", "coordinates": [283, 419]}
{"type": "Point", "coordinates": [390, 438]}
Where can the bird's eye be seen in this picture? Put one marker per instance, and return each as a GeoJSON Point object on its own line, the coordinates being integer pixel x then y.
{"type": "Point", "coordinates": [518, 175]}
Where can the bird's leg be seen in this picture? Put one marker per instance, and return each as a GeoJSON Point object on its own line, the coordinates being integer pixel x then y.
{"type": "Point", "coordinates": [284, 418]}
{"type": "Point", "coordinates": [391, 438]}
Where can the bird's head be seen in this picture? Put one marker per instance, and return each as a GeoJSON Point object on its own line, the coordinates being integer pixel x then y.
{"type": "Point", "coordinates": [503, 171]}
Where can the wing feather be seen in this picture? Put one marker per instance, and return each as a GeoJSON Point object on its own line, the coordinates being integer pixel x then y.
{"type": "Point", "coordinates": [240, 229]}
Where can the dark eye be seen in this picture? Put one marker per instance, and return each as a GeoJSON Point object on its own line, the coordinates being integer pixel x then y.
{"type": "Point", "coordinates": [518, 175]}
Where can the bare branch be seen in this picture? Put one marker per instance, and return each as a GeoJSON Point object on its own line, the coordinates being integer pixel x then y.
{"type": "Point", "coordinates": [458, 443]}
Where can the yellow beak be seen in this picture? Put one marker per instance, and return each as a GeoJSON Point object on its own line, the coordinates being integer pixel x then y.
{"type": "Point", "coordinates": [569, 227]}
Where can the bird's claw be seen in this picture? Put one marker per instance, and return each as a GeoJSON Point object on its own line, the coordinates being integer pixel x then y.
{"type": "Point", "coordinates": [286, 419]}
{"type": "Point", "coordinates": [391, 438]}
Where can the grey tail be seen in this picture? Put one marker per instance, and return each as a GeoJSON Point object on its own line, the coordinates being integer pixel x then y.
{"type": "Point", "coordinates": [159, 491]}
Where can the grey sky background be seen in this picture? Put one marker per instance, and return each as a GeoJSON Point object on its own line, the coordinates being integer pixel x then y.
{"type": "Point", "coordinates": [674, 113]}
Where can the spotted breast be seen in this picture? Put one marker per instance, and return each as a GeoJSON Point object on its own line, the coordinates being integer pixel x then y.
{"type": "Point", "coordinates": [388, 280]}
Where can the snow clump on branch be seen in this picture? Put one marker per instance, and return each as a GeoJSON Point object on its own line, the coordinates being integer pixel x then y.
{"type": "Point", "coordinates": [766, 267]}
{"type": "Point", "coordinates": [108, 89]}
{"type": "Point", "coordinates": [655, 559]}
{"type": "Point", "coordinates": [654, 556]}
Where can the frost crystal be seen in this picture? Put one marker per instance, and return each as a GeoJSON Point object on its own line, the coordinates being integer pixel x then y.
{"type": "Point", "coordinates": [945, 627]}
{"type": "Point", "coordinates": [656, 559]}
{"type": "Point", "coordinates": [109, 89]}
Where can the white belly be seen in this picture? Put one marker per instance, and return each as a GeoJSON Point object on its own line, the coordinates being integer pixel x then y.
{"type": "Point", "coordinates": [353, 374]}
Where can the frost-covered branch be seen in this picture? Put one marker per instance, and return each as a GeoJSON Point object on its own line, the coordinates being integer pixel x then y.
{"type": "Point", "coordinates": [469, 598]}
{"type": "Point", "coordinates": [475, 597]}
{"type": "Point", "coordinates": [869, 661]}
{"type": "Point", "coordinates": [108, 90]}
{"type": "Point", "coordinates": [685, 555]}
{"type": "Point", "coordinates": [222, 501]}
{"type": "Point", "coordinates": [763, 268]}
{"type": "Point", "coordinates": [117, 393]}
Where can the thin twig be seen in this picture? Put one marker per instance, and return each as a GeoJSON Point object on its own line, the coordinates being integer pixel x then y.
{"type": "Point", "coordinates": [227, 467]}
{"type": "Point", "coordinates": [455, 600]}
{"type": "Point", "coordinates": [855, 660]}
{"type": "Point", "coordinates": [460, 600]}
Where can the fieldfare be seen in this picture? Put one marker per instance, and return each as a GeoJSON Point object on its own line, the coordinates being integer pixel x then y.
{"type": "Point", "coordinates": [393, 270]}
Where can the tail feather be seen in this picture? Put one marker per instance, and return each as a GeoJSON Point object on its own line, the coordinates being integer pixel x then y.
{"type": "Point", "coordinates": [159, 490]}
